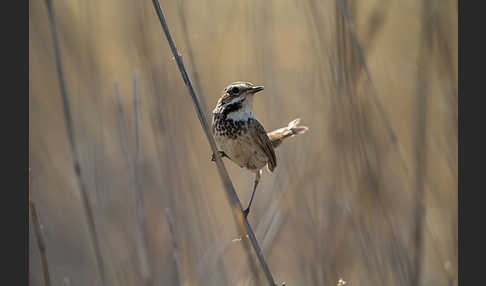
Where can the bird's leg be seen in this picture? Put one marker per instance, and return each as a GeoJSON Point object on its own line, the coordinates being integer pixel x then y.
{"type": "Point", "coordinates": [255, 184]}
{"type": "Point", "coordinates": [221, 153]}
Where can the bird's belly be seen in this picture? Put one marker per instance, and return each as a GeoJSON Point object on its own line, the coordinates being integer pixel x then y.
{"type": "Point", "coordinates": [242, 151]}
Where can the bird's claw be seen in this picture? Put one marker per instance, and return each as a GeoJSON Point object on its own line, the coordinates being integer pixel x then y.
{"type": "Point", "coordinates": [221, 153]}
{"type": "Point", "coordinates": [246, 212]}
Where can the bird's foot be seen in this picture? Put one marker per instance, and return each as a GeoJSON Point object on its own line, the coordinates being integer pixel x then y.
{"type": "Point", "coordinates": [246, 212]}
{"type": "Point", "coordinates": [221, 153]}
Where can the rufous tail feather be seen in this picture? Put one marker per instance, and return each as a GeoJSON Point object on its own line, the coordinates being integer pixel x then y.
{"type": "Point", "coordinates": [277, 136]}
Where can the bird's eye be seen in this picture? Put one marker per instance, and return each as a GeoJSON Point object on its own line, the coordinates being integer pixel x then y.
{"type": "Point", "coordinates": [235, 90]}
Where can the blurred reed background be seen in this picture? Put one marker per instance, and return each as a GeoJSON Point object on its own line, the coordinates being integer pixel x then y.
{"type": "Point", "coordinates": [369, 194]}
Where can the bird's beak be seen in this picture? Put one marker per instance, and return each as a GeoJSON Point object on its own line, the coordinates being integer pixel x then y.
{"type": "Point", "coordinates": [256, 89]}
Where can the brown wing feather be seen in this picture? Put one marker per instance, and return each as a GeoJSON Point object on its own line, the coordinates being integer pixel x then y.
{"type": "Point", "coordinates": [262, 140]}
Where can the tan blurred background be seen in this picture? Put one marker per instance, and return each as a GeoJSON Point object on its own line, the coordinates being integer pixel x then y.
{"type": "Point", "coordinates": [369, 194]}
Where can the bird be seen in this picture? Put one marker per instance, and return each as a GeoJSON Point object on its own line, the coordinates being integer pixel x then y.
{"type": "Point", "coordinates": [241, 138]}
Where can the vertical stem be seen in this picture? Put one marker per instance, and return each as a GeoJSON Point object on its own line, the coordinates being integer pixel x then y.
{"type": "Point", "coordinates": [139, 208]}
{"type": "Point", "coordinates": [175, 246]}
{"type": "Point", "coordinates": [72, 144]}
{"type": "Point", "coordinates": [242, 222]}
{"type": "Point", "coordinates": [38, 234]}
{"type": "Point", "coordinates": [134, 171]}
{"type": "Point", "coordinates": [122, 129]}
{"type": "Point", "coordinates": [198, 87]}
{"type": "Point", "coordinates": [420, 143]}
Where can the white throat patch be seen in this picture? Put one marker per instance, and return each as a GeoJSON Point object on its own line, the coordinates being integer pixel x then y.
{"type": "Point", "coordinates": [240, 115]}
{"type": "Point", "coordinates": [244, 112]}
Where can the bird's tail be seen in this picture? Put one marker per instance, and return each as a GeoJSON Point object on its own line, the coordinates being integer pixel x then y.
{"type": "Point", "coordinates": [277, 136]}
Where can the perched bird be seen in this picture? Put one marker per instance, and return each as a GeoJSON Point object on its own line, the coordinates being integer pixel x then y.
{"type": "Point", "coordinates": [241, 138]}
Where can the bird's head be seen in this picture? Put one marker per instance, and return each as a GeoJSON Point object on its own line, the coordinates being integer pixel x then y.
{"type": "Point", "coordinates": [237, 100]}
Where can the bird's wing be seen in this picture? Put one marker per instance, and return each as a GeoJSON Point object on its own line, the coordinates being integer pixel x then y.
{"type": "Point", "coordinates": [261, 139]}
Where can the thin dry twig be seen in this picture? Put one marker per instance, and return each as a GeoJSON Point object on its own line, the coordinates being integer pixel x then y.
{"type": "Point", "coordinates": [134, 170]}
{"type": "Point", "coordinates": [376, 99]}
{"type": "Point", "coordinates": [233, 199]}
{"type": "Point", "coordinates": [140, 209]}
{"type": "Point", "coordinates": [400, 256]}
{"type": "Point", "coordinates": [175, 246]}
{"type": "Point", "coordinates": [122, 129]}
{"type": "Point", "coordinates": [38, 234]}
{"type": "Point", "coordinates": [72, 144]}
{"type": "Point", "coordinates": [176, 257]}
{"type": "Point", "coordinates": [197, 84]}
{"type": "Point", "coordinates": [420, 141]}
{"type": "Point", "coordinates": [419, 213]}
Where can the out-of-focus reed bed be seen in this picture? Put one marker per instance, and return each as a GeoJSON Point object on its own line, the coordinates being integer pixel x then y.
{"type": "Point", "coordinates": [368, 195]}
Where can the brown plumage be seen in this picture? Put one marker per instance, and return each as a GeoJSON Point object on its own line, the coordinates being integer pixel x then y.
{"type": "Point", "coordinates": [261, 139]}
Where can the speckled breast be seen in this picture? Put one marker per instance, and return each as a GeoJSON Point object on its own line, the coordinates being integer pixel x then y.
{"type": "Point", "coordinates": [229, 128]}
{"type": "Point", "coordinates": [233, 138]}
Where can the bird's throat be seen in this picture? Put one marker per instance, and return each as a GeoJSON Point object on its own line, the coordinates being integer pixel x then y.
{"type": "Point", "coordinates": [239, 114]}
{"type": "Point", "coordinates": [239, 111]}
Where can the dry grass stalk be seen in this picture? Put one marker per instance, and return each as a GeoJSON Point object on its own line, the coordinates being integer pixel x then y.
{"type": "Point", "coordinates": [72, 144]}
{"type": "Point", "coordinates": [242, 222]}
{"type": "Point", "coordinates": [122, 129]}
{"type": "Point", "coordinates": [140, 210]}
{"type": "Point", "coordinates": [38, 234]}
{"type": "Point", "coordinates": [175, 246]}
{"type": "Point", "coordinates": [159, 131]}
{"type": "Point", "coordinates": [134, 171]}
{"type": "Point", "coordinates": [420, 144]}
{"type": "Point", "coordinates": [349, 25]}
